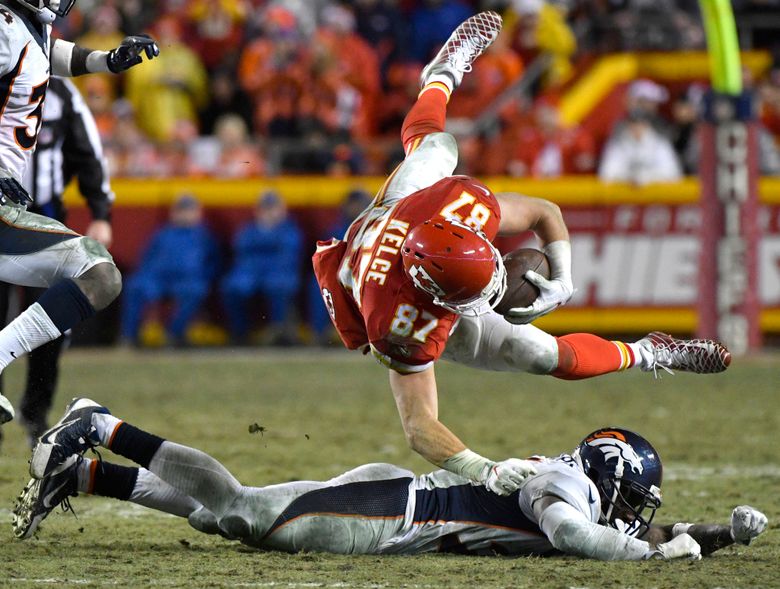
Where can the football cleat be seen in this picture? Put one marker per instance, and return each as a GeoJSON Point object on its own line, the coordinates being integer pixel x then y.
{"type": "Point", "coordinates": [67, 440]}
{"type": "Point", "coordinates": [41, 496]}
{"type": "Point", "coordinates": [6, 410]}
{"type": "Point", "coordinates": [702, 356]}
{"type": "Point", "coordinates": [467, 42]}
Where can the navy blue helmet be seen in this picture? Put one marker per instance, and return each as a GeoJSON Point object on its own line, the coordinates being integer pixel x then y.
{"type": "Point", "coordinates": [627, 472]}
{"type": "Point", "coordinates": [48, 10]}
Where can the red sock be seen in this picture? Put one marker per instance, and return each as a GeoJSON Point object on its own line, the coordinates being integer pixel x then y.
{"type": "Point", "coordinates": [583, 355]}
{"type": "Point", "coordinates": [426, 116]}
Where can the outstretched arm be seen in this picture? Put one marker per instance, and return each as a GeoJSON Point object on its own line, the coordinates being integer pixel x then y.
{"type": "Point", "coordinates": [746, 524]}
{"type": "Point", "coordinates": [69, 59]}
{"type": "Point", "coordinates": [571, 532]}
{"type": "Point", "coordinates": [416, 397]}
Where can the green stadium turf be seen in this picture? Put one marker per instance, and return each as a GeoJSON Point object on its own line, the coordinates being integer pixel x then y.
{"type": "Point", "coordinates": [316, 415]}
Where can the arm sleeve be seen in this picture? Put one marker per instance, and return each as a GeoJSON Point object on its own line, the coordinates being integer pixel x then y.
{"type": "Point", "coordinates": [571, 532]}
{"type": "Point", "coordinates": [68, 59]}
{"type": "Point", "coordinates": [83, 157]}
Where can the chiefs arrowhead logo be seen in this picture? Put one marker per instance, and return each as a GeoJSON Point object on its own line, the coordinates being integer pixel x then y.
{"type": "Point", "coordinates": [423, 281]}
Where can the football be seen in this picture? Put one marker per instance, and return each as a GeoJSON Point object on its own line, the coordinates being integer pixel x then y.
{"type": "Point", "coordinates": [520, 292]}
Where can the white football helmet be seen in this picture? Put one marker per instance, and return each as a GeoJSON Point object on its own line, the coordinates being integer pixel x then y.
{"type": "Point", "coordinates": [48, 10]}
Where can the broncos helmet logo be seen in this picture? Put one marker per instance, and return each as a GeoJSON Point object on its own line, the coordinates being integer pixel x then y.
{"type": "Point", "coordinates": [613, 445]}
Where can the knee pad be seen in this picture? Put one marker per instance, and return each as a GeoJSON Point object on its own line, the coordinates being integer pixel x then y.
{"type": "Point", "coordinates": [529, 356]}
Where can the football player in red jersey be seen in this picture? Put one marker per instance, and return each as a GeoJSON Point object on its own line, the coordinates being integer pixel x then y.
{"type": "Point", "coordinates": [416, 277]}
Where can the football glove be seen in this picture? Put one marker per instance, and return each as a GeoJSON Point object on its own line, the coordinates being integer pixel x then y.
{"type": "Point", "coordinates": [553, 292]}
{"type": "Point", "coordinates": [129, 52]}
{"type": "Point", "coordinates": [505, 477]}
{"type": "Point", "coordinates": [10, 189]}
{"type": "Point", "coordinates": [746, 524]}
{"type": "Point", "coordinates": [682, 546]}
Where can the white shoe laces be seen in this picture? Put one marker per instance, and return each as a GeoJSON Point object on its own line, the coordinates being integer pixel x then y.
{"type": "Point", "coordinates": [663, 358]}
{"type": "Point", "coordinates": [467, 51]}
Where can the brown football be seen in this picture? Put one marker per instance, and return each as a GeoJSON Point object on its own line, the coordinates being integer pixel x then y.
{"type": "Point", "coordinates": [520, 292]}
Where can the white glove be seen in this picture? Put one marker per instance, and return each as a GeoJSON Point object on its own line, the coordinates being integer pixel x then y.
{"type": "Point", "coordinates": [553, 292]}
{"type": "Point", "coordinates": [746, 524]}
{"type": "Point", "coordinates": [505, 477]}
{"type": "Point", "coordinates": [682, 546]}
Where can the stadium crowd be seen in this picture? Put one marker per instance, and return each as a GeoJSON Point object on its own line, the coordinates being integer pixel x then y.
{"type": "Point", "coordinates": [248, 88]}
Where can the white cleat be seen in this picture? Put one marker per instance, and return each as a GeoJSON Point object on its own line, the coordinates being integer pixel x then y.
{"type": "Point", "coordinates": [6, 410]}
{"type": "Point", "coordinates": [467, 42]}
{"type": "Point", "coordinates": [74, 434]}
{"type": "Point", "coordinates": [702, 356]}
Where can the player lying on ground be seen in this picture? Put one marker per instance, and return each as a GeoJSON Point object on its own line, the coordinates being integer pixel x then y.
{"type": "Point", "coordinates": [596, 502]}
{"type": "Point", "coordinates": [78, 272]}
{"type": "Point", "coordinates": [416, 276]}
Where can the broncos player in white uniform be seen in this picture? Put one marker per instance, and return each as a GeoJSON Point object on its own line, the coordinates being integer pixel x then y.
{"type": "Point", "coordinates": [597, 502]}
{"type": "Point", "coordinates": [78, 272]}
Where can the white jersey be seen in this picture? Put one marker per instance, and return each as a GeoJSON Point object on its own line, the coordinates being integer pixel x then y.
{"type": "Point", "coordinates": [24, 76]}
{"type": "Point", "coordinates": [447, 513]}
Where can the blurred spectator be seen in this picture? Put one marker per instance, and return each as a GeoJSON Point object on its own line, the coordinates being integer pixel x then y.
{"type": "Point", "coordinates": [768, 152]}
{"type": "Point", "coordinates": [172, 88]}
{"type": "Point", "coordinates": [274, 70]}
{"type": "Point", "coordinates": [685, 117]}
{"type": "Point", "coordinates": [346, 81]}
{"type": "Point", "coordinates": [639, 154]}
{"type": "Point", "coordinates": [768, 95]}
{"type": "Point", "coordinates": [226, 97]}
{"type": "Point", "coordinates": [128, 151]}
{"type": "Point", "coordinates": [179, 264]}
{"type": "Point", "coordinates": [354, 204]}
{"type": "Point", "coordinates": [644, 98]}
{"type": "Point", "coordinates": [267, 259]}
{"type": "Point", "coordinates": [104, 33]}
{"type": "Point", "coordinates": [231, 153]}
{"type": "Point", "coordinates": [402, 87]}
{"type": "Point", "coordinates": [432, 21]}
{"type": "Point", "coordinates": [174, 155]}
{"type": "Point", "coordinates": [631, 25]}
{"type": "Point", "coordinates": [547, 150]}
{"type": "Point", "coordinates": [217, 28]}
{"type": "Point", "coordinates": [538, 28]}
{"type": "Point", "coordinates": [381, 24]}
{"type": "Point", "coordinates": [97, 94]}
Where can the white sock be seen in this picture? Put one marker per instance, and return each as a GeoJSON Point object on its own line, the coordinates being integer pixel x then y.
{"type": "Point", "coordinates": [106, 425]}
{"type": "Point", "coordinates": [642, 356]}
{"type": "Point", "coordinates": [29, 330]}
{"type": "Point", "coordinates": [84, 476]}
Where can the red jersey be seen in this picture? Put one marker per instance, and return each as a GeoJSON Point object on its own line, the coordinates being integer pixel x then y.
{"type": "Point", "coordinates": [370, 298]}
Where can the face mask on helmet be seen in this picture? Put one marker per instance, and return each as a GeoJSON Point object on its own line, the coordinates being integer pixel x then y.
{"type": "Point", "coordinates": [627, 472]}
{"type": "Point", "coordinates": [48, 10]}
{"type": "Point", "coordinates": [456, 265]}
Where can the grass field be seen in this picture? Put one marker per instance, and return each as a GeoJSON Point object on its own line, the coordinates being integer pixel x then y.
{"type": "Point", "coordinates": [322, 414]}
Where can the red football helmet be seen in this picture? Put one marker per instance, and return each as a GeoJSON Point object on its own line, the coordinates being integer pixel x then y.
{"type": "Point", "coordinates": [455, 264]}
